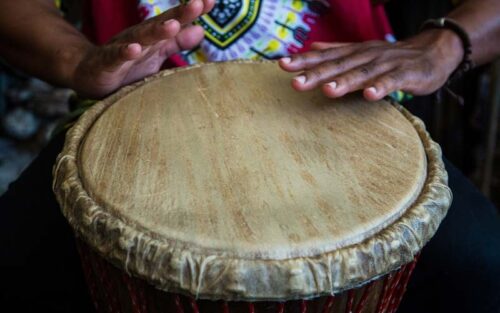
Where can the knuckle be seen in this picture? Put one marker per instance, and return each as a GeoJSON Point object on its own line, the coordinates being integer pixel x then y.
{"type": "Point", "coordinates": [366, 70]}
{"type": "Point", "coordinates": [384, 55]}
{"type": "Point", "coordinates": [315, 73]}
{"type": "Point", "coordinates": [338, 63]}
{"type": "Point", "coordinates": [347, 80]}
{"type": "Point", "coordinates": [311, 58]}
{"type": "Point", "coordinates": [327, 53]}
{"type": "Point", "coordinates": [324, 52]}
{"type": "Point", "coordinates": [375, 43]}
{"type": "Point", "coordinates": [134, 32]}
{"type": "Point", "coordinates": [384, 83]}
{"type": "Point", "coordinates": [370, 49]}
{"type": "Point", "coordinates": [393, 78]}
{"type": "Point", "coordinates": [299, 58]}
{"type": "Point", "coordinates": [408, 64]}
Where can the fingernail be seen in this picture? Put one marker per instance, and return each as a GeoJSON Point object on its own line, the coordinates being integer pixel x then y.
{"type": "Point", "coordinates": [372, 90]}
{"type": "Point", "coordinates": [131, 45]}
{"type": "Point", "coordinates": [167, 22]}
{"type": "Point", "coordinates": [332, 85]}
{"type": "Point", "coordinates": [286, 60]}
{"type": "Point", "coordinates": [300, 79]}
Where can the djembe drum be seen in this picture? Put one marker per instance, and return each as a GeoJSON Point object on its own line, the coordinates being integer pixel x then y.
{"type": "Point", "coordinates": [218, 188]}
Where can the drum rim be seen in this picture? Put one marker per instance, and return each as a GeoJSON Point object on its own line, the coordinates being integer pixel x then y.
{"type": "Point", "coordinates": [294, 278]}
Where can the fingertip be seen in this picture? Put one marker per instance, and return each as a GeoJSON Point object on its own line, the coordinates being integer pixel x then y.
{"type": "Point", "coordinates": [132, 51]}
{"type": "Point", "coordinates": [301, 79]}
{"type": "Point", "coordinates": [170, 28]}
{"type": "Point", "coordinates": [190, 37]}
{"type": "Point", "coordinates": [193, 10]}
{"type": "Point", "coordinates": [299, 83]}
{"type": "Point", "coordinates": [208, 5]}
{"type": "Point", "coordinates": [284, 63]}
{"type": "Point", "coordinates": [286, 60]}
{"type": "Point", "coordinates": [196, 5]}
{"type": "Point", "coordinates": [291, 64]}
{"type": "Point", "coordinates": [172, 23]}
{"type": "Point", "coordinates": [372, 94]}
{"type": "Point", "coordinates": [332, 90]}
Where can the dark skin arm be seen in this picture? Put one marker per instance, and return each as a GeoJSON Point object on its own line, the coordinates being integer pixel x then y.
{"type": "Point", "coordinates": [35, 38]}
{"type": "Point", "coordinates": [419, 65]}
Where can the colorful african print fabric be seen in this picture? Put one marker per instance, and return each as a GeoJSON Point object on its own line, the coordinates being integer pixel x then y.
{"type": "Point", "coordinates": [249, 29]}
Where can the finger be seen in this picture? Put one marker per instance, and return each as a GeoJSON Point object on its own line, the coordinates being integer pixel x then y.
{"type": "Point", "coordinates": [321, 45]}
{"type": "Point", "coordinates": [299, 62]}
{"type": "Point", "coordinates": [192, 11]}
{"type": "Point", "coordinates": [208, 6]}
{"type": "Point", "coordinates": [386, 84]}
{"type": "Point", "coordinates": [166, 25]}
{"type": "Point", "coordinates": [112, 57]}
{"type": "Point", "coordinates": [150, 33]}
{"type": "Point", "coordinates": [184, 14]}
{"type": "Point", "coordinates": [188, 38]}
{"type": "Point", "coordinates": [355, 79]}
{"type": "Point", "coordinates": [310, 59]}
{"type": "Point", "coordinates": [327, 71]}
{"type": "Point", "coordinates": [132, 51]}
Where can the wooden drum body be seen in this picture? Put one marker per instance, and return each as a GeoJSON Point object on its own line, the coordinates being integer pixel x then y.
{"type": "Point", "coordinates": [222, 184]}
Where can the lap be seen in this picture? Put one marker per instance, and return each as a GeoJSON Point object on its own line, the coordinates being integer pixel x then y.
{"type": "Point", "coordinates": [459, 269]}
{"type": "Point", "coordinates": [39, 265]}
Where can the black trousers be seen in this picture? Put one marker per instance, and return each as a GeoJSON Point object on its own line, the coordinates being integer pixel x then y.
{"type": "Point", "coordinates": [458, 271]}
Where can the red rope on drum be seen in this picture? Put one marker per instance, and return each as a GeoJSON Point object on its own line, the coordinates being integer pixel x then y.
{"type": "Point", "coordinates": [330, 300]}
{"type": "Point", "coordinates": [178, 304]}
{"type": "Point", "coordinates": [350, 301]}
{"type": "Point", "coordinates": [364, 297]}
{"type": "Point", "coordinates": [402, 288]}
{"type": "Point", "coordinates": [393, 287]}
{"type": "Point", "coordinates": [89, 277]}
{"type": "Point", "coordinates": [382, 300]}
{"type": "Point", "coordinates": [281, 307]}
{"type": "Point", "coordinates": [109, 291]}
{"type": "Point", "coordinates": [225, 307]}
{"type": "Point", "coordinates": [303, 306]}
{"type": "Point", "coordinates": [251, 308]}
{"type": "Point", "coordinates": [141, 295]}
{"type": "Point", "coordinates": [194, 305]}
{"type": "Point", "coordinates": [132, 293]}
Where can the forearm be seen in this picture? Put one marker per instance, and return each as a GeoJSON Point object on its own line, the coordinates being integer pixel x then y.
{"type": "Point", "coordinates": [35, 38]}
{"type": "Point", "coordinates": [481, 20]}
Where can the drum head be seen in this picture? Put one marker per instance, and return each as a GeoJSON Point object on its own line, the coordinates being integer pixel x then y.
{"type": "Point", "coordinates": [227, 162]}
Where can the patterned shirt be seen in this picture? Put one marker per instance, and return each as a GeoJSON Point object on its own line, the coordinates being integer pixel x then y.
{"type": "Point", "coordinates": [251, 29]}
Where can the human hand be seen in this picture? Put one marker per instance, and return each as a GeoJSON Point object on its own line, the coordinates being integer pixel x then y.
{"type": "Point", "coordinates": [419, 66]}
{"type": "Point", "coordinates": [138, 51]}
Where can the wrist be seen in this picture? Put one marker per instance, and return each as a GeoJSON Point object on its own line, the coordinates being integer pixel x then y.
{"type": "Point", "coordinates": [68, 60]}
{"type": "Point", "coordinates": [443, 45]}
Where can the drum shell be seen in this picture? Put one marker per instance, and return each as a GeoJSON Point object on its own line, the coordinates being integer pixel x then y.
{"type": "Point", "coordinates": [114, 291]}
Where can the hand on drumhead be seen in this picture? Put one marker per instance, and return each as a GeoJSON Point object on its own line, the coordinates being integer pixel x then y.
{"type": "Point", "coordinates": [139, 51]}
{"type": "Point", "coordinates": [418, 66]}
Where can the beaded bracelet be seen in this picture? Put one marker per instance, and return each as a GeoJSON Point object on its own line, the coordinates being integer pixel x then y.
{"type": "Point", "coordinates": [465, 65]}
{"type": "Point", "coordinates": [447, 23]}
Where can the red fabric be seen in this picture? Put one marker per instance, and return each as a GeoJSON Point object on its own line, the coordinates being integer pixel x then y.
{"type": "Point", "coordinates": [105, 18]}
{"type": "Point", "coordinates": [350, 21]}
